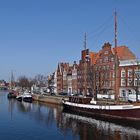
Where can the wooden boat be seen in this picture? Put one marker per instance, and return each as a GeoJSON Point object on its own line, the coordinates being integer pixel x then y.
{"type": "Point", "coordinates": [88, 106]}
{"type": "Point", "coordinates": [116, 110]}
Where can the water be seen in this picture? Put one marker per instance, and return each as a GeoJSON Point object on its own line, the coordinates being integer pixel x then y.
{"type": "Point", "coordinates": [38, 121]}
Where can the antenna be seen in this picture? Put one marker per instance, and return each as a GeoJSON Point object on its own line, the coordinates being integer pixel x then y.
{"type": "Point", "coordinates": [85, 42]}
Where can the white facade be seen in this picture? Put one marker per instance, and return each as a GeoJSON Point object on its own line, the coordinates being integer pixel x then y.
{"type": "Point", "coordinates": [129, 79]}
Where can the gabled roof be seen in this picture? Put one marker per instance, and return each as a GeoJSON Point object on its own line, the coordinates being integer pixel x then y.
{"type": "Point", "coordinates": [63, 66]}
{"type": "Point", "coordinates": [93, 57]}
{"type": "Point", "coordinates": [124, 53]}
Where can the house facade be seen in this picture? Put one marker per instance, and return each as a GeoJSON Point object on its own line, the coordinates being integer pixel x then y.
{"type": "Point", "coordinates": [129, 77]}
{"type": "Point", "coordinates": [67, 78]}
{"type": "Point", "coordinates": [106, 73]}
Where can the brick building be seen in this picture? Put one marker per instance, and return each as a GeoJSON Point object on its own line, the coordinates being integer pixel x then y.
{"type": "Point", "coordinates": [85, 72]}
{"type": "Point", "coordinates": [67, 78]}
{"type": "Point", "coordinates": [100, 73]}
{"type": "Point", "coordinates": [62, 77]}
{"type": "Point", "coordinates": [106, 68]}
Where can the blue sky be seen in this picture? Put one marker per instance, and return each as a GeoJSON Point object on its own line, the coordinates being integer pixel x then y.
{"type": "Point", "coordinates": [37, 34]}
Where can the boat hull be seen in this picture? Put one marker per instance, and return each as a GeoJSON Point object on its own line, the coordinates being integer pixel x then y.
{"type": "Point", "coordinates": [132, 114]}
{"type": "Point", "coordinates": [27, 99]}
{"type": "Point", "coordinates": [19, 98]}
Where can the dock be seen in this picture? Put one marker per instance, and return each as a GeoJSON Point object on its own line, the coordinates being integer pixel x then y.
{"type": "Point", "coordinates": [49, 99]}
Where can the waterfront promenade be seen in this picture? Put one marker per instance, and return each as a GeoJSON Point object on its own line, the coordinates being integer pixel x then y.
{"type": "Point", "coordinates": [49, 99]}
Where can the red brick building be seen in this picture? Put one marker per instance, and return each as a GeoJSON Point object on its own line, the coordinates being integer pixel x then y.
{"type": "Point", "coordinates": [67, 78]}
{"type": "Point", "coordinates": [106, 68]}
{"type": "Point", "coordinates": [85, 72]}
{"type": "Point", "coordinates": [99, 73]}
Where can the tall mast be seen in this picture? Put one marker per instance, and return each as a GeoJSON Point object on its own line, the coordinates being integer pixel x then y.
{"type": "Point", "coordinates": [85, 42]}
{"type": "Point", "coordinates": [115, 16]}
{"type": "Point", "coordinates": [85, 66]}
{"type": "Point", "coordinates": [116, 60]}
{"type": "Point", "coordinates": [12, 80]}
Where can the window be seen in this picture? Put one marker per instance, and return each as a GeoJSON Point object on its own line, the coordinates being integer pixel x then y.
{"type": "Point", "coordinates": [130, 82]}
{"type": "Point", "coordinates": [137, 73]}
{"type": "Point", "coordinates": [113, 83]}
{"type": "Point", "coordinates": [123, 73]}
{"type": "Point", "coordinates": [102, 75]}
{"type": "Point", "coordinates": [106, 75]}
{"type": "Point", "coordinates": [113, 75]}
{"type": "Point", "coordinates": [97, 75]}
{"type": "Point", "coordinates": [129, 91]}
{"type": "Point", "coordinates": [107, 67]}
{"type": "Point", "coordinates": [113, 67]}
{"type": "Point", "coordinates": [106, 52]}
{"type": "Point", "coordinates": [130, 73]}
{"type": "Point", "coordinates": [136, 82]}
{"type": "Point", "coordinates": [100, 60]}
{"type": "Point", "coordinates": [123, 93]}
{"type": "Point", "coordinates": [96, 68]}
{"type": "Point", "coordinates": [106, 59]}
{"type": "Point", "coordinates": [112, 59]}
{"type": "Point", "coordinates": [123, 82]}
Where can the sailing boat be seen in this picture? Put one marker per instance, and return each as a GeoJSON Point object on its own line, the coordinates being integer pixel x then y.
{"type": "Point", "coordinates": [105, 110]}
{"type": "Point", "coordinates": [12, 91]}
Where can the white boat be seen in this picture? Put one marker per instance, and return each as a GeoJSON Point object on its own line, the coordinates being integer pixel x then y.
{"type": "Point", "coordinates": [27, 97]}
{"type": "Point", "coordinates": [19, 98]}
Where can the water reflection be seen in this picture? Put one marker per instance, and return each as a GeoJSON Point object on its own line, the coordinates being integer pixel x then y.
{"type": "Point", "coordinates": [83, 128]}
{"type": "Point", "coordinates": [89, 128]}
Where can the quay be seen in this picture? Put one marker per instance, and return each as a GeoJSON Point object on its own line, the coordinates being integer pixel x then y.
{"type": "Point", "coordinates": [49, 99]}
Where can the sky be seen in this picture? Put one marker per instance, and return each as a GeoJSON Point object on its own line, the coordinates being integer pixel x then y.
{"type": "Point", "coordinates": [35, 35]}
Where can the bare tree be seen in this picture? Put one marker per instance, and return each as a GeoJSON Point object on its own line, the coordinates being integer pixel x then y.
{"type": "Point", "coordinates": [40, 80]}
{"type": "Point", "coordinates": [24, 82]}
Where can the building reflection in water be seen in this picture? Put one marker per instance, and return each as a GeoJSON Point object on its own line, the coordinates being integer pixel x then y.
{"type": "Point", "coordinates": [83, 128]}
{"type": "Point", "coordinates": [89, 128]}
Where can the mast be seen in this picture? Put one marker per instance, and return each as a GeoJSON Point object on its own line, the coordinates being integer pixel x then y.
{"type": "Point", "coordinates": [85, 66]}
{"type": "Point", "coordinates": [115, 16]}
{"type": "Point", "coordinates": [85, 42]}
{"type": "Point", "coordinates": [116, 60]}
{"type": "Point", "coordinates": [12, 84]}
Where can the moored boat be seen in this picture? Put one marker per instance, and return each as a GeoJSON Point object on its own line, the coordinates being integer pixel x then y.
{"type": "Point", "coordinates": [19, 98]}
{"type": "Point", "coordinates": [113, 108]}
{"type": "Point", "coordinates": [12, 94]}
{"type": "Point", "coordinates": [27, 97]}
{"type": "Point", "coordinates": [87, 106]}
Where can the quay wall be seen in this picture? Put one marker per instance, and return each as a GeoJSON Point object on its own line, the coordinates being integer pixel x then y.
{"type": "Point", "coordinates": [48, 99]}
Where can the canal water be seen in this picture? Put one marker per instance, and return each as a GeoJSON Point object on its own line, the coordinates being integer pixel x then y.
{"type": "Point", "coordinates": [38, 121]}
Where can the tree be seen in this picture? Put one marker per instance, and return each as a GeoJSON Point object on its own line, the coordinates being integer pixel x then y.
{"type": "Point", "coordinates": [40, 80]}
{"type": "Point", "coordinates": [24, 82]}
